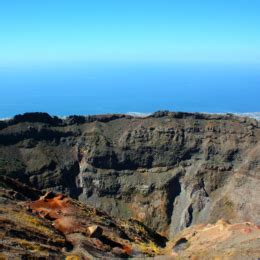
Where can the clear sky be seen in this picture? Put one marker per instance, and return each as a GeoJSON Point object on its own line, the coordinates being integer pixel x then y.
{"type": "Point", "coordinates": [129, 30]}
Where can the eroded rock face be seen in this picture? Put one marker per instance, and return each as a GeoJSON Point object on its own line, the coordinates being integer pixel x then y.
{"type": "Point", "coordinates": [168, 170]}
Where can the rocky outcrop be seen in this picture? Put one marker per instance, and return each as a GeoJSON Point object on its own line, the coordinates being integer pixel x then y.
{"type": "Point", "coordinates": [168, 170]}
{"type": "Point", "coordinates": [216, 241]}
{"type": "Point", "coordinates": [55, 226]}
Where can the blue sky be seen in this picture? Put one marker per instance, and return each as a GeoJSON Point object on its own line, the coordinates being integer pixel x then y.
{"type": "Point", "coordinates": [60, 31]}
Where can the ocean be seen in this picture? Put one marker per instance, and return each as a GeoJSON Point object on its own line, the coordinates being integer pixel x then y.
{"type": "Point", "coordinates": [121, 88]}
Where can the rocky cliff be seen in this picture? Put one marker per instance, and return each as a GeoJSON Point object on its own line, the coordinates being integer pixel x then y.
{"type": "Point", "coordinates": [168, 170]}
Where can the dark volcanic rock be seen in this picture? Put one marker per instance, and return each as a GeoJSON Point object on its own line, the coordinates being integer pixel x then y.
{"type": "Point", "coordinates": [169, 170]}
{"type": "Point", "coordinates": [36, 117]}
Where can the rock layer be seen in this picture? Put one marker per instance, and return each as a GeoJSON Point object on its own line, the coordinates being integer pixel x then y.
{"type": "Point", "coordinates": [168, 170]}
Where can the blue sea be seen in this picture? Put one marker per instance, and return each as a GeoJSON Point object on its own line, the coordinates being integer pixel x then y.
{"type": "Point", "coordinates": [121, 88]}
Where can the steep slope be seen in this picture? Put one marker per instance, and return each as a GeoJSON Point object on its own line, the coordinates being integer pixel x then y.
{"type": "Point", "coordinates": [168, 170]}
{"type": "Point", "coordinates": [55, 227]}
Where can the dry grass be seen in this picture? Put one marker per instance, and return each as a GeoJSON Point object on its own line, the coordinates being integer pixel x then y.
{"type": "Point", "coordinates": [149, 249]}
